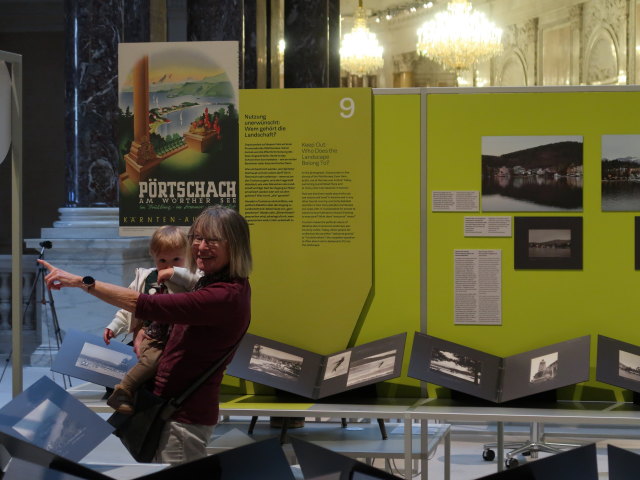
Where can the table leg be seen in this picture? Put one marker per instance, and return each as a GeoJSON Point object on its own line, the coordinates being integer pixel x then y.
{"type": "Point", "coordinates": [447, 455]}
{"type": "Point", "coordinates": [383, 429]}
{"type": "Point", "coordinates": [424, 449]}
{"type": "Point", "coordinates": [252, 425]}
{"type": "Point", "coordinates": [408, 447]}
{"type": "Point", "coordinates": [500, 447]}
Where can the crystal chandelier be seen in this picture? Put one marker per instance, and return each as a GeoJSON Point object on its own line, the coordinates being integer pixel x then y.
{"type": "Point", "coordinates": [459, 37]}
{"type": "Point", "coordinates": [360, 53]}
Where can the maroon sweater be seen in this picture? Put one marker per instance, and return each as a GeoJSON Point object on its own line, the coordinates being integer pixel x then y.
{"type": "Point", "coordinates": [206, 324]}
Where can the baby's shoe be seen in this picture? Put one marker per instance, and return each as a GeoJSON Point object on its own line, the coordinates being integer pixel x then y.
{"type": "Point", "coordinates": [121, 400]}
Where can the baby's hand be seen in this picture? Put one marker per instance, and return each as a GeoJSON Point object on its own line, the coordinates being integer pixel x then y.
{"type": "Point", "coordinates": [107, 335]}
{"type": "Point", "coordinates": [165, 274]}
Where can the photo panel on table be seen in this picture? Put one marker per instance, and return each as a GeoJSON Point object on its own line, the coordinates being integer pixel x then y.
{"type": "Point", "coordinates": [455, 366]}
{"type": "Point", "coordinates": [264, 459]}
{"type": "Point", "coordinates": [85, 356]}
{"type": "Point", "coordinates": [577, 463]}
{"type": "Point", "coordinates": [276, 364]}
{"type": "Point", "coordinates": [365, 364]}
{"type": "Point", "coordinates": [548, 243]}
{"type": "Point", "coordinates": [618, 363]}
{"type": "Point", "coordinates": [529, 173]}
{"type": "Point", "coordinates": [546, 368]}
{"type": "Point", "coordinates": [50, 418]}
{"type": "Point", "coordinates": [623, 464]}
{"type": "Point", "coordinates": [620, 175]}
{"type": "Point", "coordinates": [319, 462]}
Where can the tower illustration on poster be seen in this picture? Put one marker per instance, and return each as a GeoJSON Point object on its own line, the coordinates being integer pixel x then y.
{"type": "Point", "coordinates": [177, 133]}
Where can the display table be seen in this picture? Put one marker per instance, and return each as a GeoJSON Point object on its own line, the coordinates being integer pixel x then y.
{"type": "Point", "coordinates": [355, 440]}
{"type": "Point", "coordinates": [561, 412]}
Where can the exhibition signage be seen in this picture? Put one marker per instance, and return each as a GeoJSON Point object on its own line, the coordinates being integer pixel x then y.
{"type": "Point", "coordinates": [177, 135]}
{"type": "Point", "coordinates": [306, 191]}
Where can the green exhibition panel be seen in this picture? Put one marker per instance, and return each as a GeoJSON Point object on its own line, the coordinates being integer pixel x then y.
{"type": "Point", "coordinates": [554, 299]}
{"type": "Point", "coordinates": [333, 200]}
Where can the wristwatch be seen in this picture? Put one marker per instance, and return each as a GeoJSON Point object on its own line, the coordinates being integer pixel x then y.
{"type": "Point", "coordinates": [88, 282]}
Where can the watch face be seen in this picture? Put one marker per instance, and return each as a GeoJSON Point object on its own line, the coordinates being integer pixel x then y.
{"type": "Point", "coordinates": [88, 281]}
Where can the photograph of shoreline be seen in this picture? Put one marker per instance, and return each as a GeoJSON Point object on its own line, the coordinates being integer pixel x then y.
{"type": "Point", "coordinates": [532, 173]}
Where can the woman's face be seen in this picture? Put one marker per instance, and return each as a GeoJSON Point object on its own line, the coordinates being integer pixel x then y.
{"type": "Point", "coordinates": [211, 254]}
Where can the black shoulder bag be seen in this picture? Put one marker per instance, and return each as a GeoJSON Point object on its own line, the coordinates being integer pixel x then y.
{"type": "Point", "coordinates": [140, 432]}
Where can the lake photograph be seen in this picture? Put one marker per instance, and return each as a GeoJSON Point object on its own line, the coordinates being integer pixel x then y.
{"type": "Point", "coordinates": [532, 173]}
{"type": "Point", "coordinates": [620, 173]}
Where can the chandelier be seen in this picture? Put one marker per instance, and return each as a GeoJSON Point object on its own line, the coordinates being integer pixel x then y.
{"type": "Point", "coordinates": [459, 37]}
{"type": "Point", "coordinates": [360, 53]}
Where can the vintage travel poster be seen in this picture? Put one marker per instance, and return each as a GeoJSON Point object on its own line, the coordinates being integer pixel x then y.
{"type": "Point", "coordinates": [177, 134]}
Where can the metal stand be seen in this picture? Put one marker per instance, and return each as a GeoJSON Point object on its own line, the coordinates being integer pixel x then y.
{"type": "Point", "coordinates": [535, 444]}
{"type": "Point", "coordinates": [46, 298]}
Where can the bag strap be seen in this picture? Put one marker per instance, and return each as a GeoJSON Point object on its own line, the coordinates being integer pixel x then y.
{"type": "Point", "coordinates": [176, 402]}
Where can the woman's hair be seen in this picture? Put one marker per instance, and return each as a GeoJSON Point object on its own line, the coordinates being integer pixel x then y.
{"type": "Point", "coordinates": [168, 237]}
{"type": "Point", "coordinates": [228, 225]}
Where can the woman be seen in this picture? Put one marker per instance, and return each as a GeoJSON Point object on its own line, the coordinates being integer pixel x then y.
{"type": "Point", "coordinates": [206, 323]}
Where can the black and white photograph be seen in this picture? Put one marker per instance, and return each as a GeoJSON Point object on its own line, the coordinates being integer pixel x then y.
{"type": "Point", "coordinates": [620, 173]}
{"type": "Point", "coordinates": [49, 427]}
{"type": "Point", "coordinates": [544, 368]}
{"type": "Point", "coordinates": [456, 365]}
{"type": "Point", "coordinates": [102, 360]}
{"type": "Point", "coordinates": [337, 365]}
{"type": "Point", "coordinates": [532, 173]}
{"type": "Point", "coordinates": [371, 367]}
{"type": "Point", "coordinates": [85, 356]}
{"type": "Point", "coordinates": [47, 416]}
{"type": "Point", "coordinates": [629, 365]}
{"type": "Point", "coordinates": [275, 362]}
{"type": "Point", "coordinates": [548, 243]}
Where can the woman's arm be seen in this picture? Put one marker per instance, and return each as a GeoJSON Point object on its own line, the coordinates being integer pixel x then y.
{"type": "Point", "coordinates": [115, 295]}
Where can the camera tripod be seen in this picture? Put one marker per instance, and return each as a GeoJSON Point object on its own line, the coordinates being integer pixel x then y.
{"type": "Point", "coordinates": [46, 298]}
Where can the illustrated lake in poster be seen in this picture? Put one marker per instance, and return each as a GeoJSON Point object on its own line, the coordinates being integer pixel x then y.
{"type": "Point", "coordinates": [177, 133]}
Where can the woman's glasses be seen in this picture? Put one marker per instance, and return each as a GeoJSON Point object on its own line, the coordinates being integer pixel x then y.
{"type": "Point", "coordinates": [211, 242]}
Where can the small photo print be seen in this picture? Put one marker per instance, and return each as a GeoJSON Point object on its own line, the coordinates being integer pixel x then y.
{"type": "Point", "coordinates": [337, 365]}
{"type": "Point", "coordinates": [371, 367]}
{"type": "Point", "coordinates": [102, 360]}
{"type": "Point", "coordinates": [544, 368]}
{"type": "Point", "coordinates": [275, 362]}
{"type": "Point", "coordinates": [545, 243]}
{"type": "Point", "coordinates": [629, 365]}
{"type": "Point", "coordinates": [456, 365]}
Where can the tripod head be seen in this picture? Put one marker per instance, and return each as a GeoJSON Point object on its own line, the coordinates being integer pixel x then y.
{"type": "Point", "coordinates": [45, 245]}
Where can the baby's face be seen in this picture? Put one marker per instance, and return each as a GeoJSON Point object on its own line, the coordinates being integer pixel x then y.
{"type": "Point", "coordinates": [170, 258]}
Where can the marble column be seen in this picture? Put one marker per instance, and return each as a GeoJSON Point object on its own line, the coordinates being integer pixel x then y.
{"type": "Point", "coordinates": [221, 20]}
{"type": "Point", "coordinates": [312, 43]}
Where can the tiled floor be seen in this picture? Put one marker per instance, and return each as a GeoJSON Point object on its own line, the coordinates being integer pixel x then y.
{"type": "Point", "coordinates": [466, 447]}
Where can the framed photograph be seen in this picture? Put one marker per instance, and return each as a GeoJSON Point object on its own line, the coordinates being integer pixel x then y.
{"type": "Point", "coordinates": [548, 243]}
